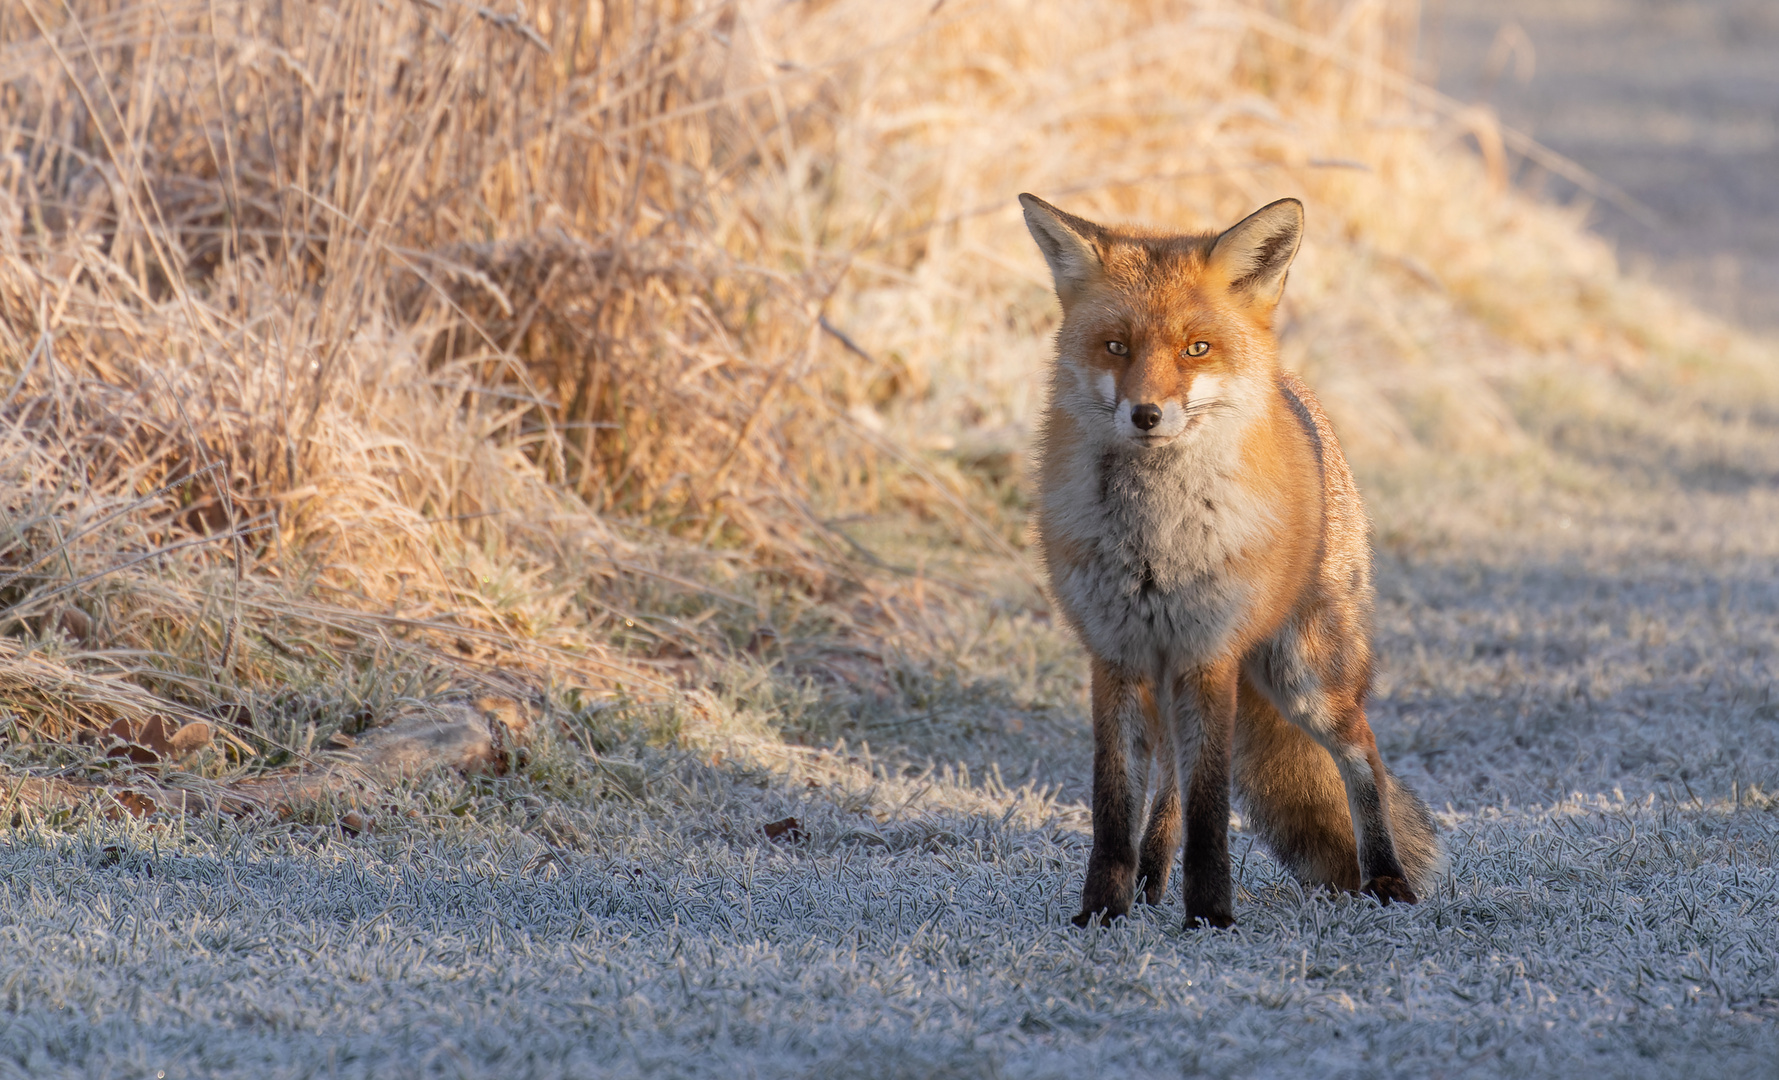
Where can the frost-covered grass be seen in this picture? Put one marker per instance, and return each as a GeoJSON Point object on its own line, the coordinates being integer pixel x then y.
{"type": "Point", "coordinates": [1613, 938]}
{"type": "Point", "coordinates": [1594, 715]}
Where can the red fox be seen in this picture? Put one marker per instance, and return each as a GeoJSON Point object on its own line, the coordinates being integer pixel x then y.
{"type": "Point", "coordinates": [1205, 541]}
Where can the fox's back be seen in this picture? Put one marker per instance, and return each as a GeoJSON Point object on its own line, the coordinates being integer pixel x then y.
{"type": "Point", "coordinates": [1343, 563]}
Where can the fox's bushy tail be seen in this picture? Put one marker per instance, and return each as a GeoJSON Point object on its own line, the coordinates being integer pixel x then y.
{"type": "Point", "coordinates": [1292, 797]}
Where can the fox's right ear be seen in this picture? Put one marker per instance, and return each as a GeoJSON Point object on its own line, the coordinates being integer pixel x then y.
{"type": "Point", "coordinates": [1255, 252]}
{"type": "Point", "coordinates": [1068, 246]}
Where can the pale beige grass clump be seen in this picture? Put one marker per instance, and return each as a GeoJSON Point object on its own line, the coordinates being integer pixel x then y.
{"type": "Point", "coordinates": [283, 406]}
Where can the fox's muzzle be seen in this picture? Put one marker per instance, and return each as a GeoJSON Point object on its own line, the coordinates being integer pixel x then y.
{"type": "Point", "coordinates": [1149, 423]}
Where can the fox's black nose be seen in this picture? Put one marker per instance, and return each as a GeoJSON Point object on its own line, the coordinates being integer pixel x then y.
{"type": "Point", "coordinates": [1145, 416]}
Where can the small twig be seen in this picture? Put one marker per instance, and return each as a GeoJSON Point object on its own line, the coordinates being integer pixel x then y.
{"type": "Point", "coordinates": [513, 22]}
{"type": "Point", "coordinates": [840, 336]}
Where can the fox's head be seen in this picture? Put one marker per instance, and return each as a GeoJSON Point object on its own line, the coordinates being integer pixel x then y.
{"type": "Point", "coordinates": [1161, 333]}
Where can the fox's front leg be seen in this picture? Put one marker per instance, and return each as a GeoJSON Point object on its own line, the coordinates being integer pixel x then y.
{"type": "Point", "coordinates": [1204, 729]}
{"type": "Point", "coordinates": [1121, 753]}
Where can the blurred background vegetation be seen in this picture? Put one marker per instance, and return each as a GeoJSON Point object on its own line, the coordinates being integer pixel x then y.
{"type": "Point", "coordinates": [1677, 102]}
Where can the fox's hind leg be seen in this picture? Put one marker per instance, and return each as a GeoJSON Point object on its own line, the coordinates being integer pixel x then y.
{"type": "Point", "coordinates": [1161, 837]}
{"type": "Point", "coordinates": [1292, 796]}
{"type": "Point", "coordinates": [1317, 679]}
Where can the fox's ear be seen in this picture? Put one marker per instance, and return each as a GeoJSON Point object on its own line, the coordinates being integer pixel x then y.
{"type": "Point", "coordinates": [1254, 253]}
{"type": "Point", "coordinates": [1068, 246]}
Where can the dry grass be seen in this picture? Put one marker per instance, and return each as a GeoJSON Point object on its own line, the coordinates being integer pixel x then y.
{"type": "Point", "coordinates": [335, 336]}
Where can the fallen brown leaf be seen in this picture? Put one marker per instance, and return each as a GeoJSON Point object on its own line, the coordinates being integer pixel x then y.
{"type": "Point", "coordinates": [193, 736]}
{"type": "Point", "coordinates": [789, 830]}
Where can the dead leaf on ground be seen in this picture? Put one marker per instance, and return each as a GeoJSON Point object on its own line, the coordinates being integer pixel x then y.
{"type": "Point", "coordinates": [192, 737]}
{"type": "Point", "coordinates": [144, 740]}
{"type": "Point", "coordinates": [148, 740]}
{"type": "Point", "coordinates": [75, 625]}
{"type": "Point", "coordinates": [788, 830]}
{"type": "Point", "coordinates": [138, 804]}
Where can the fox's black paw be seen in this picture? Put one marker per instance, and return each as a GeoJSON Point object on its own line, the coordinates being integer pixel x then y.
{"type": "Point", "coordinates": [1103, 916]}
{"type": "Point", "coordinates": [1215, 920]}
{"type": "Point", "coordinates": [1106, 895]}
{"type": "Point", "coordinates": [1390, 889]}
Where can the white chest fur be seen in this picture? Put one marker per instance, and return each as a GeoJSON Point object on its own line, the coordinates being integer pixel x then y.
{"type": "Point", "coordinates": [1152, 536]}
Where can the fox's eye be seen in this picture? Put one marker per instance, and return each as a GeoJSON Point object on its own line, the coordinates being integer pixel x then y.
{"type": "Point", "coordinates": [1117, 348]}
{"type": "Point", "coordinates": [1198, 348]}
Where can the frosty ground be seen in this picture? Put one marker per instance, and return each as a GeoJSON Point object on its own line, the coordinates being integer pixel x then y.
{"type": "Point", "coordinates": [1583, 686]}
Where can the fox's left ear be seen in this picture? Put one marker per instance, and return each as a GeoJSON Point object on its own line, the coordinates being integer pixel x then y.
{"type": "Point", "coordinates": [1254, 254]}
